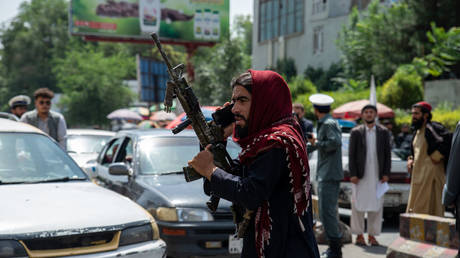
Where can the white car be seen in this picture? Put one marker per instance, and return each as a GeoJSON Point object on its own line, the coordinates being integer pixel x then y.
{"type": "Point", "coordinates": [395, 199]}
{"type": "Point", "coordinates": [50, 207]}
{"type": "Point", "coordinates": [83, 145]}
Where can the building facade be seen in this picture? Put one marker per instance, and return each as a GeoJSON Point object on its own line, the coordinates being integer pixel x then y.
{"type": "Point", "coordinates": [305, 30]}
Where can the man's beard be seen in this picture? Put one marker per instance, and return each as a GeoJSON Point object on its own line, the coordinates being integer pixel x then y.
{"type": "Point", "coordinates": [370, 121]}
{"type": "Point", "coordinates": [417, 123]}
{"type": "Point", "coordinates": [242, 131]}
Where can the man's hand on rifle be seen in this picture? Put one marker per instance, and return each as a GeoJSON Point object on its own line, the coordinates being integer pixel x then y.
{"type": "Point", "coordinates": [203, 163]}
{"type": "Point", "coordinates": [228, 131]}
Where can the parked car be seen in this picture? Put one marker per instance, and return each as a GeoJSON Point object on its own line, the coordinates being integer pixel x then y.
{"type": "Point", "coordinates": [84, 145]}
{"type": "Point", "coordinates": [395, 199]}
{"type": "Point", "coordinates": [50, 208]}
{"type": "Point", "coordinates": [147, 167]}
{"type": "Point", "coordinates": [8, 116]}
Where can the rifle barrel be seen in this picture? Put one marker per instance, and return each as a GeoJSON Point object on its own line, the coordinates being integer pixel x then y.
{"type": "Point", "coordinates": [163, 54]}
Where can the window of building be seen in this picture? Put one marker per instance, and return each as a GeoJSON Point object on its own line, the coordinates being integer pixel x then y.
{"type": "Point", "coordinates": [318, 40]}
{"type": "Point", "coordinates": [280, 17]}
{"type": "Point", "coordinates": [319, 6]}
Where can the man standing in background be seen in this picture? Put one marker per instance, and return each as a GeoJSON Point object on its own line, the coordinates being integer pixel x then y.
{"type": "Point", "coordinates": [305, 124]}
{"type": "Point", "coordinates": [18, 105]}
{"type": "Point", "coordinates": [367, 171]}
{"type": "Point", "coordinates": [430, 149]}
{"type": "Point", "coordinates": [50, 122]}
{"type": "Point", "coordinates": [329, 171]}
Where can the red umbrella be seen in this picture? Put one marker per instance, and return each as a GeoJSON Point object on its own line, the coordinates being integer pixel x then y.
{"type": "Point", "coordinates": [352, 110]}
{"type": "Point", "coordinates": [207, 112]}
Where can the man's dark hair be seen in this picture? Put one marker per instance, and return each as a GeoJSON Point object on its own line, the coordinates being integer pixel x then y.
{"type": "Point", "coordinates": [44, 93]}
{"type": "Point", "coordinates": [424, 111]}
{"type": "Point", "coordinates": [369, 106]}
{"type": "Point", "coordinates": [298, 105]}
{"type": "Point", "coordinates": [244, 79]}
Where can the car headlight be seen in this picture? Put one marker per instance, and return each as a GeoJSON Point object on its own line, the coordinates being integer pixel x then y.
{"type": "Point", "coordinates": [12, 248]}
{"type": "Point", "coordinates": [181, 214]}
{"type": "Point", "coordinates": [135, 235]}
{"type": "Point", "coordinates": [189, 214]}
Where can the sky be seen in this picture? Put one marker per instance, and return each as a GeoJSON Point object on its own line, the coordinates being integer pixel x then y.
{"type": "Point", "coordinates": [9, 9]}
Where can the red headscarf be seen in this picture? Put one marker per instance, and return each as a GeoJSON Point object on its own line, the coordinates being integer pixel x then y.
{"type": "Point", "coordinates": [271, 125]}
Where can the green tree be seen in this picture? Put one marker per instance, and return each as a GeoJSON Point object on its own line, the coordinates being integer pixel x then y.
{"type": "Point", "coordinates": [444, 58]}
{"type": "Point", "coordinates": [403, 89]}
{"type": "Point", "coordinates": [93, 84]}
{"type": "Point", "coordinates": [378, 40]}
{"type": "Point", "coordinates": [215, 67]}
{"type": "Point", "coordinates": [243, 29]}
{"type": "Point", "coordinates": [325, 80]}
{"type": "Point", "coordinates": [37, 35]}
{"type": "Point", "coordinates": [444, 13]}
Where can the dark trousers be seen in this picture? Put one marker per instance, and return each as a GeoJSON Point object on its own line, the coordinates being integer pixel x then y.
{"type": "Point", "coordinates": [328, 195]}
{"type": "Point", "coordinates": [457, 220]}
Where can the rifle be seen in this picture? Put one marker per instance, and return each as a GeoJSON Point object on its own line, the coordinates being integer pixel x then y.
{"type": "Point", "coordinates": [207, 132]}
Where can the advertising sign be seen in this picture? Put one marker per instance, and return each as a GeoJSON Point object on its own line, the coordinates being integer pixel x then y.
{"type": "Point", "coordinates": [179, 20]}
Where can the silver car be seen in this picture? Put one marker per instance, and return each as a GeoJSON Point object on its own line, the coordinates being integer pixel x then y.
{"type": "Point", "coordinates": [395, 199]}
{"type": "Point", "coordinates": [84, 145]}
{"type": "Point", "coordinates": [50, 208]}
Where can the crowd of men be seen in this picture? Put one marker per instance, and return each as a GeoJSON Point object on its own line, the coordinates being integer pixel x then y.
{"type": "Point", "coordinates": [273, 175]}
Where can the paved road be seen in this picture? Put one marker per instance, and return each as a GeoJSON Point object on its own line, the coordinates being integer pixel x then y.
{"type": "Point", "coordinates": [390, 232]}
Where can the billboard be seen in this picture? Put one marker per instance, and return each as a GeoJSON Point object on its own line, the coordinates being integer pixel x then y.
{"type": "Point", "coordinates": [177, 20]}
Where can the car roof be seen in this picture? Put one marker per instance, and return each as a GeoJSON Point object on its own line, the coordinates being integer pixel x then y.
{"type": "Point", "coordinates": [10, 126]}
{"type": "Point", "coordinates": [155, 133]}
{"type": "Point", "coordinates": [90, 132]}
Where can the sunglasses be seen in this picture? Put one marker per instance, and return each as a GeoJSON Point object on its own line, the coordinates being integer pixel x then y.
{"type": "Point", "coordinates": [48, 102]}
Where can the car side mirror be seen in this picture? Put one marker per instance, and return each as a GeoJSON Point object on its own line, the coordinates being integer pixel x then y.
{"type": "Point", "coordinates": [119, 169]}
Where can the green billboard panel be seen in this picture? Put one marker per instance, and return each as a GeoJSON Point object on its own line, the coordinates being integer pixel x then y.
{"type": "Point", "coordinates": [180, 20]}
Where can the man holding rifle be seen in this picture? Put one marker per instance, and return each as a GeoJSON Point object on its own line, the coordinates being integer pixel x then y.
{"type": "Point", "coordinates": [273, 178]}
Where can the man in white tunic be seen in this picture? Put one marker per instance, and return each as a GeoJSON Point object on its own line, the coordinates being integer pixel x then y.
{"type": "Point", "coordinates": [370, 166]}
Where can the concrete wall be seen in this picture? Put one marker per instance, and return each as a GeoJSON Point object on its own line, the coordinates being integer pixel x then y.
{"type": "Point", "coordinates": [299, 46]}
{"type": "Point", "coordinates": [440, 91]}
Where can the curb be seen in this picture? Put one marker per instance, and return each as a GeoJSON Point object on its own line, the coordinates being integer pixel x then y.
{"type": "Point", "coordinates": [404, 248]}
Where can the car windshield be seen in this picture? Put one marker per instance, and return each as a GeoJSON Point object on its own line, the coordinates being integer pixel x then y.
{"type": "Point", "coordinates": [33, 158]}
{"type": "Point", "coordinates": [171, 154]}
{"type": "Point", "coordinates": [86, 143]}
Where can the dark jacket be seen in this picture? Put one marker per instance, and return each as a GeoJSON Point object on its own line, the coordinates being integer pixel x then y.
{"type": "Point", "coordinates": [357, 151]}
{"type": "Point", "coordinates": [267, 178]}
{"type": "Point", "coordinates": [306, 126]}
{"type": "Point", "coordinates": [452, 187]}
{"type": "Point", "coordinates": [438, 139]}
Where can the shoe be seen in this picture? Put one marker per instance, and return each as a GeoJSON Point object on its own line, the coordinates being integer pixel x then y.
{"type": "Point", "coordinates": [372, 241]}
{"type": "Point", "coordinates": [360, 240]}
{"type": "Point", "coordinates": [334, 250]}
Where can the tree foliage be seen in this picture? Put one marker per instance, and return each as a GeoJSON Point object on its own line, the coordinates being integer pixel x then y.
{"type": "Point", "coordinates": [378, 41]}
{"type": "Point", "coordinates": [444, 13]}
{"type": "Point", "coordinates": [445, 53]}
{"type": "Point", "coordinates": [243, 30]}
{"type": "Point", "coordinates": [93, 84]}
{"type": "Point", "coordinates": [403, 89]}
{"type": "Point", "coordinates": [215, 67]}
{"type": "Point", "coordinates": [37, 35]}
{"type": "Point", "coordinates": [325, 80]}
